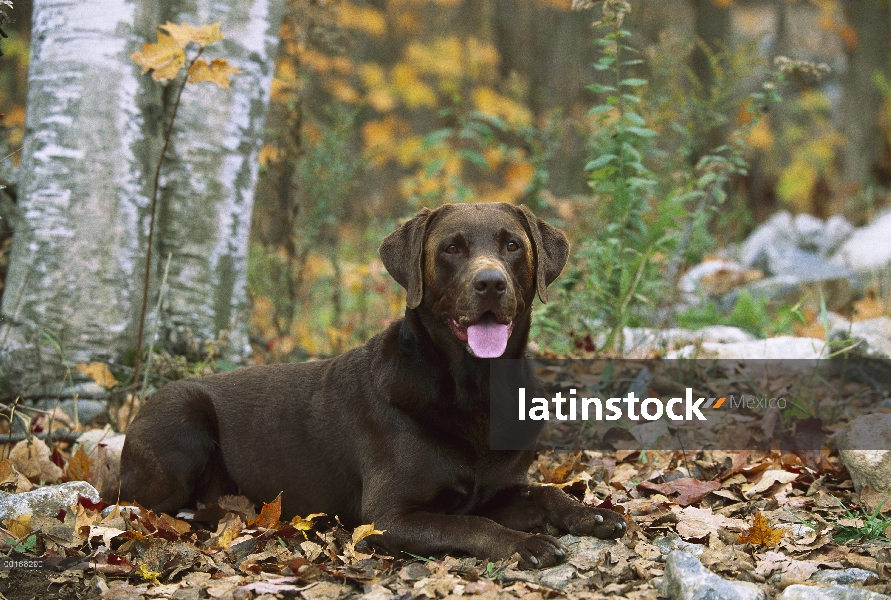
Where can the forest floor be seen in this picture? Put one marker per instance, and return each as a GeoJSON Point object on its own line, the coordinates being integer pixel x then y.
{"type": "Point", "coordinates": [769, 517]}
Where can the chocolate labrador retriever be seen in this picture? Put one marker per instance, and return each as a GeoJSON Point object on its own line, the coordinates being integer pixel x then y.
{"type": "Point", "coordinates": [396, 431]}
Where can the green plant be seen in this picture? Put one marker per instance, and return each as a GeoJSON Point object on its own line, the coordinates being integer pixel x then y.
{"type": "Point", "coordinates": [615, 272]}
{"type": "Point", "coordinates": [870, 525]}
{"type": "Point", "coordinates": [749, 313]}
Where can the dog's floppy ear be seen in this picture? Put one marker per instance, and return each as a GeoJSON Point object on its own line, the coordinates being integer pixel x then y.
{"type": "Point", "coordinates": [402, 253]}
{"type": "Point", "coordinates": [551, 251]}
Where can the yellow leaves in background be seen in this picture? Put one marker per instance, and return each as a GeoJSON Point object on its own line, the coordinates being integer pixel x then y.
{"type": "Point", "coordinates": [489, 101]}
{"type": "Point", "coordinates": [380, 137]}
{"type": "Point", "coordinates": [166, 57]}
{"type": "Point", "coordinates": [411, 88]}
{"type": "Point", "coordinates": [362, 18]}
{"type": "Point", "coordinates": [518, 176]}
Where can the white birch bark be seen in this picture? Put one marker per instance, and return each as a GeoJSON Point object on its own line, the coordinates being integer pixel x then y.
{"type": "Point", "coordinates": [93, 136]}
{"type": "Point", "coordinates": [211, 173]}
{"type": "Point", "coordinates": [81, 189]}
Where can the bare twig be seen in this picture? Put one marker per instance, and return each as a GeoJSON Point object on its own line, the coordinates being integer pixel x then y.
{"type": "Point", "coordinates": [155, 186]}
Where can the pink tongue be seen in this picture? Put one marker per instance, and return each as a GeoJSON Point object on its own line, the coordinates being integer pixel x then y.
{"type": "Point", "coordinates": [487, 339]}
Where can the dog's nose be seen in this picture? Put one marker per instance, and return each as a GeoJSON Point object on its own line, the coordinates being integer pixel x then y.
{"type": "Point", "coordinates": [489, 283]}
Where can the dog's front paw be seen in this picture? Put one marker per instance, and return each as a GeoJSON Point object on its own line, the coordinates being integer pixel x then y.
{"type": "Point", "coordinates": [538, 551]}
{"type": "Point", "coordinates": [600, 522]}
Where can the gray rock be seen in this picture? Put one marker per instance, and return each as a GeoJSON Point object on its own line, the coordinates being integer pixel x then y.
{"type": "Point", "coordinates": [46, 501]}
{"type": "Point", "coordinates": [798, 275]}
{"type": "Point", "coordinates": [835, 233]}
{"type": "Point", "coordinates": [873, 335]}
{"type": "Point", "coordinates": [87, 410]}
{"type": "Point", "coordinates": [808, 231]}
{"type": "Point", "coordinates": [834, 592]}
{"type": "Point", "coordinates": [773, 232]}
{"type": "Point", "coordinates": [672, 541]}
{"type": "Point", "coordinates": [868, 252]}
{"type": "Point", "coordinates": [783, 347]}
{"type": "Point", "coordinates": [864, 445]}
{"type": "Point", "coordinates": [641, 340]}
{"type": "Point", "coordinates": [686, 579]}
{"type": "Point", "coordinates": [845, 576]}
{"type": "Point", "coordinates": [557, 577]}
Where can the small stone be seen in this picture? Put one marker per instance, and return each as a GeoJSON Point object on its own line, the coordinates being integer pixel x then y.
{"type": "Point", "coordinates": [686, 578]}
{"type": "Point", "coordinates": [834, 592]}
{"type": "Point", "coordinates": [557, 577]}
{"type": "Point", "coordinates": [46, 500]}
{"type": "Point", "coordinates": [845, 576]}
{"type": "Point", "coordinates": [864, 445]}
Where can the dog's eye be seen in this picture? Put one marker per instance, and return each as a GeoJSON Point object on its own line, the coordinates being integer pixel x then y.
{"type": "Point", "coordinates": [512, 246]}
{"type": "Point", "coordinates": [451, 249]}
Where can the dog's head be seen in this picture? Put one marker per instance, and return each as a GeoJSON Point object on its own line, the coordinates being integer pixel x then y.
{"type": "Point", "coordinates": [475, 268]}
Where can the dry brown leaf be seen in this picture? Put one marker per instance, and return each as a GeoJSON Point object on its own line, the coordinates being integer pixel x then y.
{"type": "Point", "coordinates": [79, 467]}
{"type": "Point", "coordinates": [760, 533]}
{"type": "Point", "coordinates": [868, 308]}
{"type": "Point", "coordinates": [269, 515]}
{"type": "Point", "coordinates": [32, 459]}
{"type": "Point", "coordinates": [100, 373]}
{"type": "Point", "coordinates": [768, 479]}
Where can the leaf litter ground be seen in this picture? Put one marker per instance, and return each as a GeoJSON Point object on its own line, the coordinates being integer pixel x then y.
{"type": "Point", "coordinates": [769, 517]}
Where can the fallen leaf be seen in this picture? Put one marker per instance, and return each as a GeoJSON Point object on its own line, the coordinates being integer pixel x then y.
{"type": "Point", "coordinates": [760, 533]}
{"type": "Point", "coordinates": [689, 490]}
{"type": "Point", "coordinates": [100, 373]}
{"type": "Point", "coordinates": [269, 515]}
{"type": "Point", "coordinates": [107, 533]}
{"type": "Point", "coordinates": [768, 478]}
{"type": "Point", "coordinates": [32, 458]}
{"type": "Point", "coordinates": [304, 525]}
{"type": "Point", "coordinates": [19, 527]}
{"type": "Point", "coordinates": [78, 468]}
{"type": "Point", "coordinates": [218, 72]}
{"type": "Point", "coordinates": [363, 531]}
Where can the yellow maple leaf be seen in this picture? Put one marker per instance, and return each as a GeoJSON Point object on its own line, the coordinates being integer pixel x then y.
{"type": "Point", "coordinates": [19, 527]}
{"type": "Point", "coordinates": [218, 71]}
{"type": "Point", "coordinates": [100, 373]}
{"type": "Point", "coordinates": [760, 533]}
{"type": "Point", "coordinates": [301, 524]}
{"type": "Point", "coordinates": [185, 33]}
{"type": "Point", "coordinates": [147, 574]}
{"type": "Point", "coordinates": [363, 531]}
{"type": "Point", "coordinates": [165, 58]}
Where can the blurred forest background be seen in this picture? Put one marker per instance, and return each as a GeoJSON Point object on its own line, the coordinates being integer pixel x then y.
{"type": "Point", "coordinates": [653, 139]}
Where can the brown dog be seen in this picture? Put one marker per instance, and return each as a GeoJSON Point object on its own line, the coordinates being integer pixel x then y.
{"type": "Point", "coordinates": [394, 432]}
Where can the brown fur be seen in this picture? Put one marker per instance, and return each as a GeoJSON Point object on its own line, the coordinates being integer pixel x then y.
{"type": "Point", "coordinates": [395, 431]}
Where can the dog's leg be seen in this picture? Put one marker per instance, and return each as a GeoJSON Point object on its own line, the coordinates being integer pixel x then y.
{"type": "Point", "coordinates": [430, 534]}
{"type": "Point", "coordinates": [170, 457]}
{"type": "Point", "coordinates": [533, 507]}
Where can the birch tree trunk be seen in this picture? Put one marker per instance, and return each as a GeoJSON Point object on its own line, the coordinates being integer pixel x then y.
{"type": "Point", "coordinates": [69, 292]}
{"type": "Point", "coordinates": [210, 175]}
{"type": "Point", "coordinates": [93, 130]}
